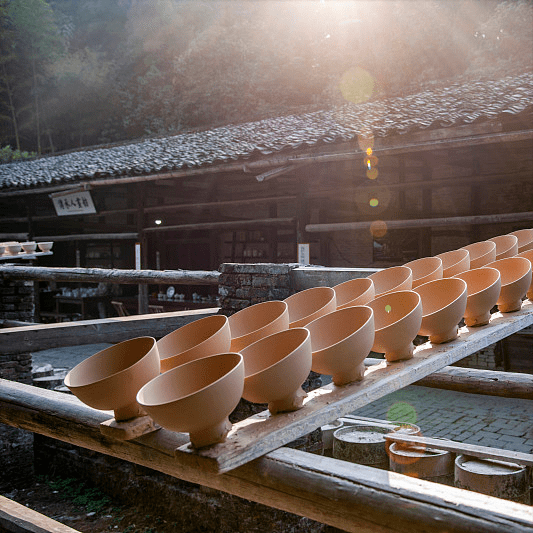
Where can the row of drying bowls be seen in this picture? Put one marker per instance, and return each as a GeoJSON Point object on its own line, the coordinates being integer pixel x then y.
{"type": "Point", "coordinates": [193, 378]}
{"type": "Point", "coordinates": [29, 247]}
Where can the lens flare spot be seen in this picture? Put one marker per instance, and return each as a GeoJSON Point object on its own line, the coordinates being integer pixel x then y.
{"type": "Point", "coordinates": [369, 151]}
{"type": "Point", "coordinates": [388, 308]}
{"type": "Point", "coordinates": [366, 140]}
{"type": "Point", "coordinates": [378, 229]}
{"type": "Point", "coordinates": [374, 202]}
{"type": "Point", "coordinates": [372, 173]}
{"type": "Point", "coordinates": [357, 85]}
{"type": "Point", "coordinates": [402, 412]}
{"type": "Point", "coordinates": [371, 161]}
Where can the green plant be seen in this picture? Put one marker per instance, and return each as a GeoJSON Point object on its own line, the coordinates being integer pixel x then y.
{"type": "Point", "coordinates": [7, 154]}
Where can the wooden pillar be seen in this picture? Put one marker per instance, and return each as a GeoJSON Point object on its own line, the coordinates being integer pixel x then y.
{"type": "Point", "coordinates": [424, 242]}
{"type": "Point", "coordinates": [302, 217]}
{"type": "Point", "coordinates": [143, 288]}
{"type": "Point", "coordinates": [475, 202]}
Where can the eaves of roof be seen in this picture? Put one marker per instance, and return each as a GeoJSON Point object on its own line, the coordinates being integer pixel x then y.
{"type": "Point", "coordinates": [454, 105]}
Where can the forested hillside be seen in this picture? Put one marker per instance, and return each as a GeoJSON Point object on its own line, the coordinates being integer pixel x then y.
{"type": "Point", "coordinates": [76, 73]}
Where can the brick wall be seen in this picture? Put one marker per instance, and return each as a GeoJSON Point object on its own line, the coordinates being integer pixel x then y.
{"type": "Point", "coordinates": [16, 445]}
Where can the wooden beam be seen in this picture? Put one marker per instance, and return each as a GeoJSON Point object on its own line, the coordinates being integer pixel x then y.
{"type": "Point", "coordinates": [44, 336]}
{"type": "Point", "coordinates": [17, 518]}
{"type": "Point", "coordinates": [348, 496]}
{"type": "Point", "coordinates": [128, 236]}
{"type": "Point", "coordinates": [115, 275]}
{"type": "Point", "coordinates": [425, 222]}
{"type": "Point", "coordinates": [229, 224]}
{"type": "Point", "coordinates": [474, 450]}
{"type": "Point", "coordinates": [476, 381]}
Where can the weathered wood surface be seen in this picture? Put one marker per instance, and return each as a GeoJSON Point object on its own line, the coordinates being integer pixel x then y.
{"type": "Point", "coordinates": [45, 336]}
{"type": "Point", "coordinates": [230, 224]}
{"type": "Point", "coordinates": [476, 381]}
{"type": "Point", "coordinates": [263, 433]}
{"type": "Point", "coordinates": [128, 429]}
{"type": "Point", "coordinates": [424, 222]}
{"type": "Point", "coordinates": [483, 452]}
{"type": "Point", "coordinates": [6, 257]}
{"type": "Point", "coordinates": [348, 496]}
{"type": "Point", "coordinates": [115, 275]}
{"type": "Point", "coordinates": [306, 277]}
{"type": "Point", "coordinates": [17, 518]}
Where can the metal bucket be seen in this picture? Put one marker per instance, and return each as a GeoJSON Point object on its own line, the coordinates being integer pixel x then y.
{"type": "Point", "coordinates": [494, 478]}
{"type": "Point", "coordinates": [327, 436]}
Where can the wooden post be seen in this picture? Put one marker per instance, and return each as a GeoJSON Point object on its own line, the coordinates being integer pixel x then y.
{"type": "Point", "coordinates": [143, 289]}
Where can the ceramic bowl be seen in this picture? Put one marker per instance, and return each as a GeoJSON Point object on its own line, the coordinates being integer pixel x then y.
{"type": "Point", "coordinates": [13, 248]}
{"type": "Point", "coordinates": [111, 378]}
{"type": "Point", "coordinates": [257, 321]}
{"type": "Point", "coordinates": [454, 262]}
{"type": "Point", "coordinates": [443, 307]}
{"type": "Point", "coordinates": [28, 247]}
{"type": "Point", "coordinates": [525, 239]}
{"type": "Point", "coordinates": [481, 253]}
{"type": "Point", "coordinates": [398, 278]}
{"type": "Point", "coordinates": [201, 338]}
{"type": "Point", "coordinates": [45, 246]}
{"type": "Point", "coordinates": [305, 306]}
{"type": "Point", "coordinates": [340, 342]}
{"type": "Point", "coordinates": [358, 291]}
{"type": "Point", "coordinates": [196, 397]}
{"type": "Point", "coordinates": [2, 249]}
{"type": "Point", "coordinates": [397, 319]}
{"type": "Point", "coordinates": [506, 246]}
{"type": "Point", "coordinates": [483, 289]}
{"type": "Point", "coordinates": [275, 368]}
{"type": "Point", "coordinates": [425, 269]}
{"type": "Point", "coordinates": [528, 254]}
{"type": "Point", "coordinates": [515, 275]}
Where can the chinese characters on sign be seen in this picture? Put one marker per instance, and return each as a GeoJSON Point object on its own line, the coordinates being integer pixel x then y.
{"type": "Point", "coordinates": [73, 203]}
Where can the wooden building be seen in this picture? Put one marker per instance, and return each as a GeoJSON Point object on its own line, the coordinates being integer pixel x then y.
{"type": "Point", "coordinates": [369, 184]}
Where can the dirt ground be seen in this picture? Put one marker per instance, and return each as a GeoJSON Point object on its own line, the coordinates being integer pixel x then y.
{"type": "Point", "coordinates": [83, 508]}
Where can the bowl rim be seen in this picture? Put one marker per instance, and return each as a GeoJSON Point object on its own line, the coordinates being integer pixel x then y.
{"type": "Point", "coordinates": [183, 368]}
{"type": "Point", "coordinates": [512, 260]}
{"type": "Point", "coordinates": [390, 294]}
{"type": "Point", "coordinates": [467, 273]}
{"type": "Point", "coordinates": [441, 281]}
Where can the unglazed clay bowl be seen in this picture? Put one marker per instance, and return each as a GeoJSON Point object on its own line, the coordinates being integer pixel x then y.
{"type": "Point", "coordinates": [111, 378]}
{"type": "Point", "coordinates": [305, 306]}
{"type": "Point", "coordinates": [201, 338]}
{"type": "Point", "coordinates": [358, 291]}
{"type": "Point", "coordinates": [398, 278]}
{"type": "Point", "coordinates": [13, 248]}
{"type": "Point", "coordinates": [397, 320]}
{"type": "Point", "coordinates": [340, 342]}
{"type": "Point", "coordinates": [2, 249]}
{"type": "Point", "coordinates": [483, 289]}
{"type": "Point", "coordinates": [275, 368]}
{"type": "Point", "coordinates": [515, 275]}
{"type": "Point", "coordinates": [454, 262]}
{"type": "Point", "coordinates": [481, 253]}
{"type": "Point", "coordinates": [506, 246]}
{"type": "Point", "coordinates": [257, 321]}
{"type": "Point", "coordinates": [425, 269]}
{"type": "Point", "coordinates": [525, 239]}
{"type": "Point", "coordinates": [28, 247]}
{"type": "Point", "coordinates": [45, 246]}
{"type": "Point", "coordinates": [528, 254]}
{"type": "Point", "coordinates": [196, 397]}
{"type": "Point", "coordinates": [443, 307]}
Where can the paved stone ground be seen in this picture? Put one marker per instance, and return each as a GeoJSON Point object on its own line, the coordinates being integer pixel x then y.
{"type": "Point", "coordinates": [505, 423]}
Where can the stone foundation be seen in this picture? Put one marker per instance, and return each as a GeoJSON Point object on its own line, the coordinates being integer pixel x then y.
{"type": "Point", "coordinates": [490, 358]}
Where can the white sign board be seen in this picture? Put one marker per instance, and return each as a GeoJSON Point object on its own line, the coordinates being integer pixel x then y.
{"type": "Point", "coordinates": [74, 203]}
{"type": "Point", "coordinates": [137, 256]}
{"type": "Point", "coordinates": [303, 254]}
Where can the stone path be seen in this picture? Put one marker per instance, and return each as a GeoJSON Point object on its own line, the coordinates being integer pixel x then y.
{"type": "Point", "coordinates": [505, 423]}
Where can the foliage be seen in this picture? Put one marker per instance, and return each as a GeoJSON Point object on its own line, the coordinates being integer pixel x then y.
{"type": "Point", "coordinates": [82, 72]}
{"type": "Point", "coordinates": [7, 155]}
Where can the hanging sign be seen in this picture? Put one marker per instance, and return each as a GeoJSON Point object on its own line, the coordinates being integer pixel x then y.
{"type": "Point", "coordinates": [303, 254]}
{"type": "Point", "coordinates": [77, 202]}
{"type": "Point", "coordinates": [137, 256]}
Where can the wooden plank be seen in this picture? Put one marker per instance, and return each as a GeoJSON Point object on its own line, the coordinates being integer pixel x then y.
{"type": "Point", "coordinates": [226, 225]}
{"type": "Point", "coordinates": [128, 429]}
{"type": "Point", "coordinates": [425, 222]}
{"type": "Point", "coordinates": [483, 452]}
{"type": "Point", "coordinates": [263, 433]}
{"type": "Point", "coordinates": [111, 275]}
{"type": "Point", "coordinates": [45, 336]}
{"type": "Point", "coordinates": [17, 518]}
{"type": "Point", "coordinates": [348, 496]}
{"type": "Point", "coordinates": [306, 277]}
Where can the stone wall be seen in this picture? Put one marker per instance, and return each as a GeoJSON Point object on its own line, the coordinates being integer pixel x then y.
{"type": "Point", "coordinates": [16, 445]}
{"type": "Point", "coordinates": [489, 358]}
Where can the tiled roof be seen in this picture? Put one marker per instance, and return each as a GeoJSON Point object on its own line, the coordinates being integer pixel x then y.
{"type": "Point", "coordinates": [456, 104]}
